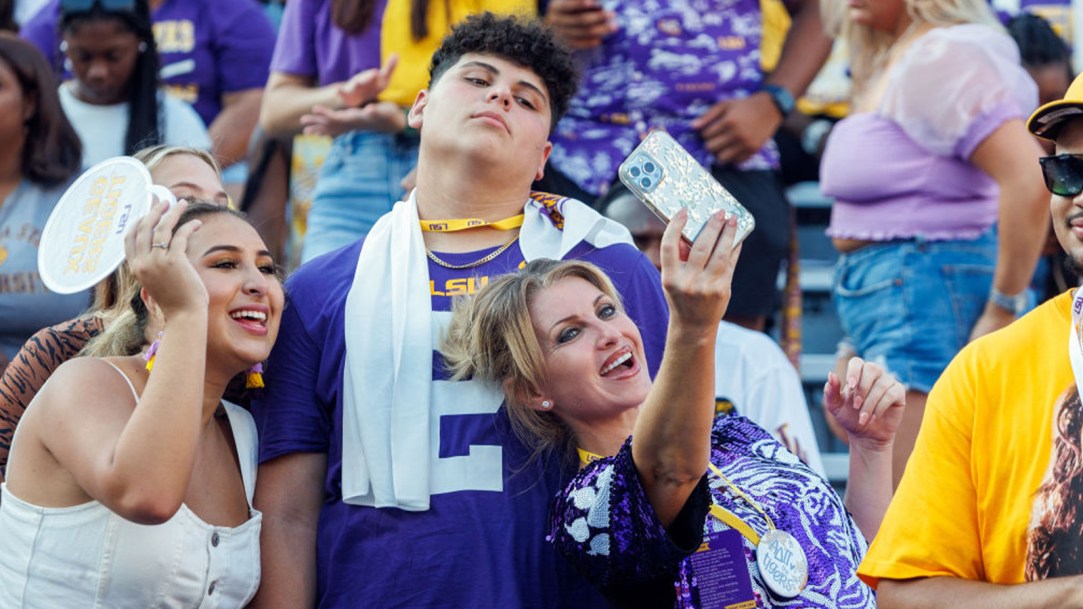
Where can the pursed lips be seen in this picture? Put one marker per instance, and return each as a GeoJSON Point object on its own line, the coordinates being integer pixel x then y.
{"type": "Point", "coordinates": [493, 116]}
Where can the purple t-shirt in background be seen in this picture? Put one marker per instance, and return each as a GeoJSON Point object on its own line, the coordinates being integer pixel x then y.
{"type": "Point", "coordinates": [310, 45]}
{"type": "Point", "coordinates": [207, 48]}
{"type": "Point", "coordinates": [482, 549]}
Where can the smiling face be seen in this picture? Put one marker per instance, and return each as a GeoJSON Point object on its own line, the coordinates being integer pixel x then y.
{"type": "Point", "coordinates": [596, 369]}
{"type": "Point", "coordinates": [246, 297]}
{"type": "Point", "coordinates": [1067, 212]}
{"type": "Point", "coordinates": [490, 109]}
{"type": "Point", "coordinates": [103, 54]}
{"type": "Point", "coordinates": [190, 177]}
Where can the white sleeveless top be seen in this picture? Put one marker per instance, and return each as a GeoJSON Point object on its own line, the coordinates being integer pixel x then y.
{"type": "Point", "coordinates": [85, 556]}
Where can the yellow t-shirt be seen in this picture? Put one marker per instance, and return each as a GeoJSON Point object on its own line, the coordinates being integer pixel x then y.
{"type": "Point", "coordinates": [412, 73]}
{"type": "Point", "coordinates": [964, 506]}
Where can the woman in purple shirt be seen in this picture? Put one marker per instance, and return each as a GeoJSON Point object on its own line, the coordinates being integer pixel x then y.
{"type": "Point", "coordinates": [655, 460]}
{"type": "Point", "coordinates": [934, 154]}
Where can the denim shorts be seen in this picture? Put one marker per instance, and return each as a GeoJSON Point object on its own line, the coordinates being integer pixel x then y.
{"type": "Point", "coordinates": [910, 305]}
{"type": "Point", "coordinates": [358, 183]}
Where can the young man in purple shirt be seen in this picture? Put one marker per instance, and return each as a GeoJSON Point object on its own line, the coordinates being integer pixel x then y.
{"type": "Point", "coordinates": [383, 483]}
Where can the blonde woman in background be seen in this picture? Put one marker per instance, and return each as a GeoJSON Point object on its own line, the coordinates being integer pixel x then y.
{"type": "Point", "coordinates": [189, 173]}
{"type": "Point", "coordinates": [940, 209]}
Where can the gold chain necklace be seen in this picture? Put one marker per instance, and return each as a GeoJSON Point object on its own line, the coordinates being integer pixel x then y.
{"type": "Point", "coordinates": [458, 267]}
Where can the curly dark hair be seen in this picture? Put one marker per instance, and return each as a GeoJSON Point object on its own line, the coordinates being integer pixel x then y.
{"type": "Point", "coordinates": [526, 43]}
{"type": "Point", "coordinates": [1055, 537]}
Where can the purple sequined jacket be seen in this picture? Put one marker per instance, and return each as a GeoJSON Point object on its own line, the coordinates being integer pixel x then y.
{"type": "Point", "coordinates": [605, 525]}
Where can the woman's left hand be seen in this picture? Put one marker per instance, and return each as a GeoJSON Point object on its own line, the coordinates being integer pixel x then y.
{"type": "Point", "coordinates": [870, 404]}
{"type": "Point", "coordinates": [381, 117]}
{"type": "Point", "coordinates": [697, 280]}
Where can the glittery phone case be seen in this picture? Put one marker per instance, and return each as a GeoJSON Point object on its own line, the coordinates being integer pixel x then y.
{"type": "Point", "coordinates": [662, 174]}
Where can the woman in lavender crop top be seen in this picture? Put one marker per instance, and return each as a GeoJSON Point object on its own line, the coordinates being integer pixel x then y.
{"type": "Point", "coordinates": [940, 211]}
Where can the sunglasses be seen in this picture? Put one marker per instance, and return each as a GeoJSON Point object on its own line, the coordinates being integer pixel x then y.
{"type": "Point", "coordinates": [1063, 174]}
{"type": "Point", "coordinates": [82, 6]}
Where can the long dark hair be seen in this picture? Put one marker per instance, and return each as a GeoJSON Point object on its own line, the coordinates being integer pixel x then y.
{"type": "Point", "coordinates": [143, 109]}
{"type": "Point", "coordinates": [52, 153]}
{"type": "Point", "coordinates": [353, 16]}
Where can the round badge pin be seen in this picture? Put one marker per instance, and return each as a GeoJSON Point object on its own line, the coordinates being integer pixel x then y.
{"type": "Point", "coordinates": [782, 563]}
{"type": "Point", "coordinates": [83, 240]}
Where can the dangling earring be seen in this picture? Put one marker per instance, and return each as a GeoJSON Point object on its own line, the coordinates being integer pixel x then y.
{"type": "Point", "coordinates": [546, 405]}
{"type": "Point", "coordinates": [254, 378]}
{"type": "Point", "coordinates": [152, 352]}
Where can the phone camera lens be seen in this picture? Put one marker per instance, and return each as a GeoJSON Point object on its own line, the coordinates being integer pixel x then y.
{"type": "Point", "coordinates": [648, 167]}
{"type": "Point", "coordinates": [634, 171]}
{"type": "Point", "coordinates": [645, 182]}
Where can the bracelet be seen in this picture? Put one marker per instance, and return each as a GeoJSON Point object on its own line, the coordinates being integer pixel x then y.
{"type": "Point", "coordinates": [1016, 304]}
{"type": "Point", "coordinates": [781, 97]}
{"type": "Point", "coordinates": [812, 137]}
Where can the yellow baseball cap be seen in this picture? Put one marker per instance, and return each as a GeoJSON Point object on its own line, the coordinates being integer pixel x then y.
{"type": "Point", "coordinates": [1048, 119]}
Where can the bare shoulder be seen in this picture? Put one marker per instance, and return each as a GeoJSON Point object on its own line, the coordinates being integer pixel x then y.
{"type": "Point", "coordinates": [87, 384]}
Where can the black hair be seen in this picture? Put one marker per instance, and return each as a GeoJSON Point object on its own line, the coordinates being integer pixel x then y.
{"type": "Point", "coordinates": [526, 43]}
{"type": "Point", "coordinates": [1038, 44]}
{"type": "Point", "coordinates": [7, 16]}
{"type": "Point", "coordinates": [144, 128]}
{"type": "Point", "coordinates": [52, 152]}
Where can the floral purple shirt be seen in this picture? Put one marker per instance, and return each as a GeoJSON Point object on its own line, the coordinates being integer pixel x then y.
{"type": "Point", "coordinates": [668, 63]}
{"type": "Point", "coordinates": [604, 524]}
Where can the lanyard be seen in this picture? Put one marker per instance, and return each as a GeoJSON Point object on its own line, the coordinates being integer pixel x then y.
{"type": "Point", "coordinates": [1075, 341]}
{"type": "Point", "coordinates": [586, 457]}
{"type": "Point", "coordinates": [458, 224]}
{"type": "Point", "coordinates": [732, 520]}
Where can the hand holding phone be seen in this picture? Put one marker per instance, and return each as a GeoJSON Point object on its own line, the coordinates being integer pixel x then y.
{"type": "Point", "coordinates": [662, 174]}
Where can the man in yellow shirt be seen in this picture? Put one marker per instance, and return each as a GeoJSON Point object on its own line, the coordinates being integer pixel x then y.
{"type": "Point", "coordinates": [990, 510]}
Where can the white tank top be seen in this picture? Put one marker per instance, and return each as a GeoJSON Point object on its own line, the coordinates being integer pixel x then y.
{"type": "Point", "coordinates": [85, 556]}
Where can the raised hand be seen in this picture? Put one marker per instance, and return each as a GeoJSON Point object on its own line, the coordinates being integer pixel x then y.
{"type": "Point", "coordinates": [581, 24]}
{"type": "Point", "coordinates": [697, 280]}
{"type": "Point", "coordinates": [364, 86]}
{"type": "Point", "coordinates": [735, 129]}
{"type": "Point", "coordinates": [869, 404]}
{"type": "Point", "coordinates": [382, 117]}
{"type": "Point", "coordinates": [158, 259]}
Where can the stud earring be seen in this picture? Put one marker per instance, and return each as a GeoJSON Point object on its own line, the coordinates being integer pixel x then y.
{"type": "Point", "coordinates": [546, 405]}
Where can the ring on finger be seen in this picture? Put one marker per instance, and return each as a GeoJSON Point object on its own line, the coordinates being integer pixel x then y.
{"type": "Point", "coordinates": [163, 245]}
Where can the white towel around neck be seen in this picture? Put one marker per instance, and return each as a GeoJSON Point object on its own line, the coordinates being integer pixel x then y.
{"type": "Point", "coordinates": [387, 380]}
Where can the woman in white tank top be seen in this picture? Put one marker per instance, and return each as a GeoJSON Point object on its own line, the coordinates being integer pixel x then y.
{"type": "Point", "coordinates": [133, 488]}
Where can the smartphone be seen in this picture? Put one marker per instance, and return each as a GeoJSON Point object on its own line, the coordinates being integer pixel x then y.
{"type": "Point", "coordinates": [662, 174]}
